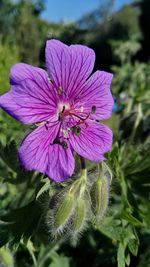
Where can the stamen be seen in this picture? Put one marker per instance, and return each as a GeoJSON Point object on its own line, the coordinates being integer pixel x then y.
{"type": "Point", "coordinates": [93, 109]}
{"type": "Point", "coordinates": [81, 109]}
{"type": "Point", "coordinates": [49, 79]}
{"type": "Point", "coordinates": [81, 119]}
{"type": "Point", "coordinates": [63, 109]}
{"type": "Point", "coordinates": [60, 113]}
{"type": "Point", "coordinates": [64, 144]}
{"type": "Point", "coordinates": [65, 132]}
{"type": "Point", "coordinates": [58, 142]}
{"type": "Point", "coordinates": [59, 90]}
{"type": "Point", "coordinates": [40, 123]}
{"type": "Point", "coordinates": [46, 123]}
{"type": "Point", "coordinates": [76, 130]}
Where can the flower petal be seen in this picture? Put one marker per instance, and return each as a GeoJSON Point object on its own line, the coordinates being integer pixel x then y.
{"type": "Point", "coordinates": [68, 66]}
{"type": "Point", "coordinates": [61, 163]}
{"type": "Point", "coordinates": [96, 93]}
{"type": "Point", "coordinates": [94, 140]}
{"type": "Point", "coordinates": [31, 98]}
{"type": "Point", "coordinates": [82, 63]}
{"type": "Point", "coordinates": [38, 153]}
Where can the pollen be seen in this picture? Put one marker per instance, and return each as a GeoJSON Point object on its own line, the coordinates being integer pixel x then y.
{"type": "Point", "coordinates": [40, 123]}
{"type": "Point", "coordinates": [65, 132]}
{"type": "Point", "coordinates": [59, 90]}
{"type": "Point", "coordinates": [49, 80]}
{"type": "Point", "coordinates": [81, 109]}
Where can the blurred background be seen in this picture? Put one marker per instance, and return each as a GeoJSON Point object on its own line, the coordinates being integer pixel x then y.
{"type": "Point", "coordinates": [25, 26]}
{"type": "Point", "coordinates": [119, 33]}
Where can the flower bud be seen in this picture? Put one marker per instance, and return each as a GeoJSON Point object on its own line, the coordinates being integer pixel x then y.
{"type": "Point", "coordinates": [79, 215]}
{"type": "Point", "coordinates": [64, 210]}
{"type": "Point", "coordinates": [106, 171]}
{"type": "Point", "coordinates": [67, 209]}
{"type": "Point", "coordinates": [61, 208]}
{"type": "Point", "coordinates": [99, 196]}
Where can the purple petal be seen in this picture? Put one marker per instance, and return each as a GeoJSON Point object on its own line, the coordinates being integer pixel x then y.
{"type": "Point", "coordinates": [69, 66]}
{"type": "Point", "coordinates": [94, 140]}
{"type": "Point", "coordinates": [38, 153]}
{"type": "Point", "coordinates": [61, 163]}
{"type": "Point", "coordinates": [96, 93]}
{"type": "Point", "coordinates": [82, 63]}
{"type": "Point", "coordinates": [31, 98]}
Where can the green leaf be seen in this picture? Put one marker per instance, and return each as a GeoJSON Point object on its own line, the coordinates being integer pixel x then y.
{"type": "Point", "coordinates": [111, 231]}
{"type": "Point", "coordinates": [127, 259]}
{"type": "Point", "coordinates": [121, 255]}
{"type": "Point", "coordinates": [130, 218]}
{"type": "Point", "coordinates": [44, 188]}
{"type": "Point", "coordinates": [59, 261]}
{"type": "Point", "coordinates": [30, 247]}
{"type": "Point", "coordinates": [133, 246]}
{"type": "Point", "coordinates": [9, 155]}
{"type": "Point", "coordinates": [6, 258]}
{"type": "Point", "coordinates": [19, 223]}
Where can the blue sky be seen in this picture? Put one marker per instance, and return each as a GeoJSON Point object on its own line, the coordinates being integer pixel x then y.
{"type": "Point", "coordinates": [71, 10]}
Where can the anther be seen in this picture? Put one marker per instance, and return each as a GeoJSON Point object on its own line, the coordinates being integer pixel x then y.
{"type": "Point", "coordinates": [56, 141]}
{"type": "Point", "coordinates": [59, 90]}
{"type": "Point", "coordinates": [63, 109]}
{"type": "Point", "coordinates": [76, 130]}
{"type": "Point", "coordinates": [49, 79]}
{"type": "Point", "coordinates": [64, 144]}
{"type": "Point", "coordinates": [93, 109]}
{"type": "Point", "coordinates": [40, 123]}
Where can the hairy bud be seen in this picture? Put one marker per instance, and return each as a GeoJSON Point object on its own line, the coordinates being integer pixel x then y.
{"type": "Point", "coordinates": [79, 216]}
{"type": "Point", "coordinates": [61, 208]}
{"type": "Point", "coordinates": [99, 196]}
{"type": "Point", "coordinates": [71, 208]}
{"type": "Point", "coordinates": [67, 208]}
{"type": "Point", "coordinates": [64, 210]}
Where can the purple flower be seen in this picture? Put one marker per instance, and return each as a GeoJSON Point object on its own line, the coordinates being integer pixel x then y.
{"type": "Point", "coordinates": [65, 105]}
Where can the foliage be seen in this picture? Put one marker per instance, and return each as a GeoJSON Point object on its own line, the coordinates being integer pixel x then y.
{"type": "Point", "coordinates": [7, 9]}
{"type": "Point", "coordinates": [8, 57]}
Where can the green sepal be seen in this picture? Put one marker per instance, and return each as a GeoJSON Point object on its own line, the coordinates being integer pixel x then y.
{"type": "Point", "coordinates": [64, 210]}
{"type": "Point", "coordinates": [99, 196]}
{"type": "Point", "coordinates": [79, 215]}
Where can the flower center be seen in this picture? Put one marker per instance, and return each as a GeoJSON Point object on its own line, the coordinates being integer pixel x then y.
{"type": "Point", "coordinates": [63, 110]}
{"type": "Point", "coordinates": [72, 118]}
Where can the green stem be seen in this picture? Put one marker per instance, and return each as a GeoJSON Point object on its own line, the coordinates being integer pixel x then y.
{"type": "Point", "coordinates": [80, 184]}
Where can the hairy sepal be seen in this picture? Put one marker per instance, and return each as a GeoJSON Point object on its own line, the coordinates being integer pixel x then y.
{"type": "Point", "coordinates": [99, 196]}
{"type": "Point", "coordinates": [60, 212]}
